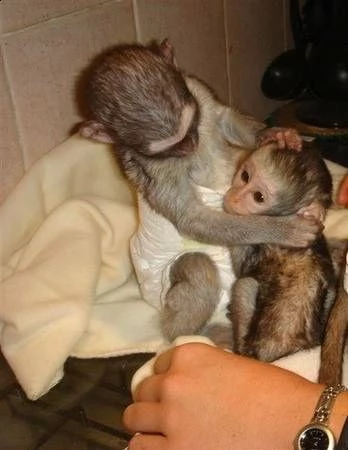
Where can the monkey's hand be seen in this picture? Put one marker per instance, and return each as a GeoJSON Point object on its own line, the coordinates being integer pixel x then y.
{"type": "Point", "coordinates": [96, 131]}
{"type": "Point", "coordinates": [315, 209]}
{"type": "Point", "coordinates": [301, 230]}
{"type": "Point", "coordinates": [284, 137]}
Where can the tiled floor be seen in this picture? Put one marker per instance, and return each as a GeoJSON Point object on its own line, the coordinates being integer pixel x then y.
{"type": "Point", "coordinates": [83, 412]}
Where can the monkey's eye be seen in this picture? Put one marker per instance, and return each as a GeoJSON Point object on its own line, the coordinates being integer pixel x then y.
{"type": "Point", "coordinates": [258, 197]}
{"type": "Point", "coordinates": [245, 176]}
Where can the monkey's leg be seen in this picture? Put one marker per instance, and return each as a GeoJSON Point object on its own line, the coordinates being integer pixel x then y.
{"type": "Point", "coordinates": [242, 308]}
{"type": "Point", "coordinates": [333, 346]}
{"type": "Point", "coordinates": [192, 297]}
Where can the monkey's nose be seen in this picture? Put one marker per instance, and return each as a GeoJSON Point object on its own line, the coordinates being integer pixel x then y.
{"type": "Point", "coordinates": [229, 202]}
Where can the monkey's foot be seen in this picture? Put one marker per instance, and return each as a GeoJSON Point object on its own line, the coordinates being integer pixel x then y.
{"type": "Point", "coordinates": [185, 312]}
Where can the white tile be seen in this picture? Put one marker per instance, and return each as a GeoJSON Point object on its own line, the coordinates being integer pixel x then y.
{"type": "Point", "coordinates": [255, 36]}
{"type": "Point", "coordinates": [44, 63]}
{"type": "Point", "coordinates": [11, 165]}
{"type": "Point", "coordinates": [196, 28]}
{"type": "Point", "coordinates": [18, 14]}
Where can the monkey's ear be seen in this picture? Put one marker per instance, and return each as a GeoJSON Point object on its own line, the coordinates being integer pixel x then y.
{"type": "Point", "coordinates": [95, 130]}
{"type": "Point", "coordinates": [167, 51]}
{"type": "Point", "coordinates": [315, 209]}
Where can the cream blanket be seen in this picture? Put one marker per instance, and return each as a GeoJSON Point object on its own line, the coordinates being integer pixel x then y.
{"type": "Point", "coordinates": [67, 283]}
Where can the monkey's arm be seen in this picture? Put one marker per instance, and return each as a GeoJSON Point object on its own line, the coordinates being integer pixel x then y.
{"type": "Point", "coordinates": [235, 127]}
{"type": "Point", "coordinates": [239, 129]}
{"type": "Point", "coordinates": [244, 130]}
{"type": "Point", "coordinates": [197, 221]}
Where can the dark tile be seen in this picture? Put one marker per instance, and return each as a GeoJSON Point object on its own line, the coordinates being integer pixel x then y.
{"type": "Point", "coordinates": [7, 378]}
{"type": "Point", "coordinates": [95, 436]}
{"type": "Point", "coordinates": [24, 423]}
{"type": "Point", "coordinates": [83, 412]}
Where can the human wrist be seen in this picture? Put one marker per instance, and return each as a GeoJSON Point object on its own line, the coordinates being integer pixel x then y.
{"type": "Point", "coordinates": [339, 414]}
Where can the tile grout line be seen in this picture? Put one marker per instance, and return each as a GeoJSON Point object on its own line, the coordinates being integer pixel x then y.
{"type": "Point", "coordinates": [136, 20]}
{"type": "Point", "coordinates": [14, 109]}
{"type": "Point", "coordinates": [57, 18]}
{"type": "Point", "coordinates": [227, 53]}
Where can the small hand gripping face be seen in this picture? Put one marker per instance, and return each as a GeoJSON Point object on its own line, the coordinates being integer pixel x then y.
{"type": "Point", "coordinates": [272, 182]}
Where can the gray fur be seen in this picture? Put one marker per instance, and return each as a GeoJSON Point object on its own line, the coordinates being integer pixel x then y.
{"type": "Point", "coordinates": [134, 96]}
{"type": "Point", "coordinates": [193, 295]}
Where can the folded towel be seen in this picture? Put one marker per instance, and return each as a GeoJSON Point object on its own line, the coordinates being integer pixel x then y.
{"type": "Point", "coordinates": [67, 283]}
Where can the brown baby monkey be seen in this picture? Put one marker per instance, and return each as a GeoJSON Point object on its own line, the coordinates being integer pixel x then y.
{"type": "Point", "coordinates": [282, 296]}
{"type": "Point", "coordinates": [170, 135]}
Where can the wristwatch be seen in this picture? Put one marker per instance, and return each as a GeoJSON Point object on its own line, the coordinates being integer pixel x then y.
{"type": "Point", "coordinates": [317, 435]}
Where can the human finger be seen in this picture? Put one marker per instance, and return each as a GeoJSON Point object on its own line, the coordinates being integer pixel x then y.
{"type": "Point", "coordinates": [163, 361]}
{"type": "Point", "coordinates": [149, 390]}
{"type": "Point", "coordinates": [147, 442]}
{"type": "Point", "coordinates": [143, 417]}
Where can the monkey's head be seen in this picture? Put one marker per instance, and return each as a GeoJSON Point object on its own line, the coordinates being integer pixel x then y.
{"type": "Point", "coordinates": [274, 181]}
{"type": "Point", "coordinates": [135, 97]}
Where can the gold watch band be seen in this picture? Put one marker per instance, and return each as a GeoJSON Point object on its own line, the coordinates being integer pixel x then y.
{"type": "Point", "coordinates": [325, 403]}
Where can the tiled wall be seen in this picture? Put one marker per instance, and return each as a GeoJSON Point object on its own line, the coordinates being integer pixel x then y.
{"type": "Point", "coordinates": [45, 43]}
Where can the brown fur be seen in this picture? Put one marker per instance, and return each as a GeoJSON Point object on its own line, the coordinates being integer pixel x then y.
{"type": "Point", "coordinates": [293, 297]}
{"type": "Point", "coordinates": [332, 350]}
{"type": "Point", "coordinates": [281, 300]}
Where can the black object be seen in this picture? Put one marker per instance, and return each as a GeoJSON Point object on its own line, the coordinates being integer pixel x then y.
{"type": "Point", "coordinates": [334, 149]}
{"type": "Point", "coordinates": [323, 114]}
{"type": "Point", "coordinates": [328, 73]}
{"type": "Point", "coordinates": [285, 77]}
{"type": "Point", "coordinates": [342, 444]}
{"type": "Point", "coordinates": [317, 68]}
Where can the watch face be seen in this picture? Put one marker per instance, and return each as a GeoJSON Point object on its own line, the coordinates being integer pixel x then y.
{"type": "Point", "coordinates": [315, 438]}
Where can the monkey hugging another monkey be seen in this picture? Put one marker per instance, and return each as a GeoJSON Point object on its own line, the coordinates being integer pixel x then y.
{"type": "Point", "coordinates": [180, 148]}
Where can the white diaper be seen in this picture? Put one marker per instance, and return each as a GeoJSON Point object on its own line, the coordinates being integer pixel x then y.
{"type": "Point", "coordinates": [157, 244]}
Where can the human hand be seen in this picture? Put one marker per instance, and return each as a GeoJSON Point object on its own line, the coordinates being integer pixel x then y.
{"type": "Point", "coordinates": [284, 137]}
{"type": "Point", "coordinates": [204, 398]}
{"type": "Point", "coordinates": [342, 195]}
